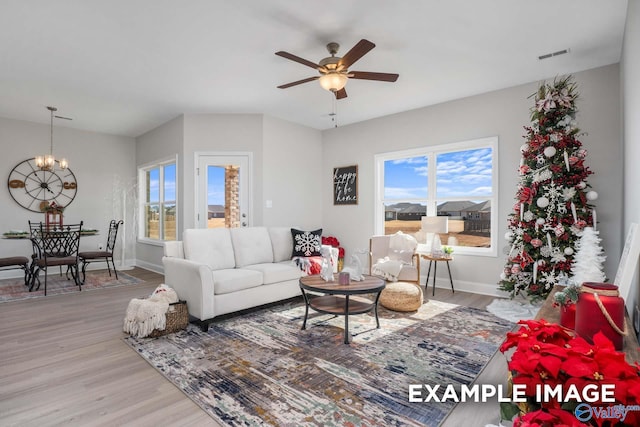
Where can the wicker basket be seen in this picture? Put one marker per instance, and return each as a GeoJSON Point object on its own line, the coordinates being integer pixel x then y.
{"type": "Point", "coordinates": [177, 319]}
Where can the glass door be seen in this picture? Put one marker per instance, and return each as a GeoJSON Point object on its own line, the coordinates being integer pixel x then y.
{"type": "Point", "coordinates": [223, 191]}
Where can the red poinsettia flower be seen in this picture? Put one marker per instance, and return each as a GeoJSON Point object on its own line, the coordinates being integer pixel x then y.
{"type": "Point", "coordinates": [546, 354]}
{"type": "Point", "coordinates": [331, 241]}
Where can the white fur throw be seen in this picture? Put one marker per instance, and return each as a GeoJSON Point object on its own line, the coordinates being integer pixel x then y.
{"type": "Point", "coordinates": [387, 268]}
{"type": "Point", "coordinates": [145, 315]}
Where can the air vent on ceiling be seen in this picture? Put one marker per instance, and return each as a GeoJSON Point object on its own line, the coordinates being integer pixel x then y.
{"type": "Point", "coordinates": [549, 55]}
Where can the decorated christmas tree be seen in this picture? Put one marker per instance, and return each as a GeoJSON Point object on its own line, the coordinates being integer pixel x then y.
{"type": "Point", "coordinates": [553, 196]}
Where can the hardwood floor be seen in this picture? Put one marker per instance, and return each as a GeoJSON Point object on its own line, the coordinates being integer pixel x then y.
{"type": "Point", "coordinates": [63, 362]}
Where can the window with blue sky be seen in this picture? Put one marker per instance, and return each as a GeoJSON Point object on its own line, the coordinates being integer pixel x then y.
{"type": "Point", "coordinates": [158, 189]}
{"type": "Point", "coordinates": [457, 180]}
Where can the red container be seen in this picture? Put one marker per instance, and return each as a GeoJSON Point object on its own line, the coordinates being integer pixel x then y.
{"type": "Point", "coordinates": [590, 318]}
{"type": "Point", "coordinates": [568, 316]}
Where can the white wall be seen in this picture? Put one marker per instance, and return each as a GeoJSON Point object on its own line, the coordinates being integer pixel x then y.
{"type": "Point", "coordinates": [104, 166]}
{"type": "Point", "coordinates": [502, 113]}
{"type": "Point", "coordinates": [630, 70]}
{"type": "Point", "coordinates": [292, 176]}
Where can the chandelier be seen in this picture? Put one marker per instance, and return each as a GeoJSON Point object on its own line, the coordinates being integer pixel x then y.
{"type": "Point", "coordinates": [48, 161]}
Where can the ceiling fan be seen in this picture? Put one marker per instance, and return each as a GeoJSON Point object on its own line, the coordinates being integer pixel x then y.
{"type": "Point", "coordinates": [334, 70]}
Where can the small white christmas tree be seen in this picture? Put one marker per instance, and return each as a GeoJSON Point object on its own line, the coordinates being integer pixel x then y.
{"type": "Point", "coordinates": [587, 265]}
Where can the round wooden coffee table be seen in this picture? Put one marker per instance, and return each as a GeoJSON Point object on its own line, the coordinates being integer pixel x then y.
{"type": "Point", "coordinates": [341, 300]}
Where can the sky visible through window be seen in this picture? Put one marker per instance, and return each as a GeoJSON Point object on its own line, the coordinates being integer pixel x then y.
{"type": "Point", "coordinates": [169, 183]}
{"type": "Point", "coordinates": [459, 174]}
{"type": "Point", "coordinates": [215, 185]}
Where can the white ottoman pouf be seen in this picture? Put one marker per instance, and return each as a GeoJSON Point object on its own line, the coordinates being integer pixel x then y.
{"type": "Point", "coordinates": [401, 296]}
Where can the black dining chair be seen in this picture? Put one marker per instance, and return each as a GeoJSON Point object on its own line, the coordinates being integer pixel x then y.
{"type": "Point", "coordinates": [105, 255]}
{"type": "Point", "coordinates": [55, 246]}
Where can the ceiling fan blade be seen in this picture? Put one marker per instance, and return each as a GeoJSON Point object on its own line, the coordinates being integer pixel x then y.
{"type": "Point", "coordinates": [342, 93]}
{"type": "Point", "coordinates": [356, 52]}
{"type": "Point", "coordinates": [298, 59]}
{"type": "Point", "coordinates": [299, 82]}
{"type": "Point", "coordinates": [366, 75]}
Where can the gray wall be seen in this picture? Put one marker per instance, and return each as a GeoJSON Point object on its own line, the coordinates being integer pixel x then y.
{"type": "Point", "coordinates": [501, 113]}
{"type": "Point", "coordinates": [630, 70]}
{"type": "Point", "coordinates": [160, 143]}
{"type": "Point", "coordinates": [286, 166]}
{"type": "Point", "coordinates": [104, 166]}
{"type": "Point", "coordinates": [219, 133]}
{"type": "Point", "coordinates": [291, 175]}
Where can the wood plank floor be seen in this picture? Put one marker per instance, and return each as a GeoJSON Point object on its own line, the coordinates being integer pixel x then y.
{"type": "Point", "coordinates": [63, 362]}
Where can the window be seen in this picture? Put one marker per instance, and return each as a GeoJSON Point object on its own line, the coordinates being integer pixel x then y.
{"type": "Point", "coordinates": [457, 180]}
{"type": "Point", "coordinates": [157, 184]}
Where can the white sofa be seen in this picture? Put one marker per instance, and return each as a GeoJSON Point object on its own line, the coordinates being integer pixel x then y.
{"type": "Point", "coordinates": [221, 270]}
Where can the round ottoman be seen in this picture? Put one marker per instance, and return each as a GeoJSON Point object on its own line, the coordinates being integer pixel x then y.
{"type": "Point", "coordinates": [401, 296]}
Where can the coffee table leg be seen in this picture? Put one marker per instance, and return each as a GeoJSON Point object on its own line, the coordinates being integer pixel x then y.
{"type": "Point", "coordinates": [375, 309]}
{"type": "Point", "coordinates": [346, 319]}
{"type": "Point", "coordinates": [306, 309]}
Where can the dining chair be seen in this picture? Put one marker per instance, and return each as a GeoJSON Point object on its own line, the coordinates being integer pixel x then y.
{"type": "Point", "coordinates": [55, 246]}
{"type": "Point", "coordinates": [15, 262]}
{"type": "Point", "coordinates": [105, 255]}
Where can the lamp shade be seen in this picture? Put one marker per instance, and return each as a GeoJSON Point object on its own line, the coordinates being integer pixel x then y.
{"type": "Point", "coordinates": [333, 81]}
{"type": "Point", "coordinates": [435, 224]}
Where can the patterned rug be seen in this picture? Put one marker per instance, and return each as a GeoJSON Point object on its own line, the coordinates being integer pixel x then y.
{"type": "Point", "coordinates": [15, 289]}
{"type": "Point", "coordinates": [261, 369]}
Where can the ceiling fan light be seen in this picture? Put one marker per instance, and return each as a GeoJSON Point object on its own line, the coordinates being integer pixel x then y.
{"type": "Point", "coordinates": [333, 81]}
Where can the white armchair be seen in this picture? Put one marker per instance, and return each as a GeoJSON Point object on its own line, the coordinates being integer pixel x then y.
{"type": "Point", "coordinates": [398, 252]}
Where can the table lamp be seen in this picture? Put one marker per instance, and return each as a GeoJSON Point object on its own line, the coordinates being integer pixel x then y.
{"type": "Point", "coordinates": [435, 225]}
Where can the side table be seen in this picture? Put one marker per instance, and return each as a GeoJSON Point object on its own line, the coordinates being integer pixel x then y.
{"type": "Point", "coordinates": [435, 261]}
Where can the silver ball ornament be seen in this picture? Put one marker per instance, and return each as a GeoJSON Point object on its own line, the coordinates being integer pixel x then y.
{"type": "Point", "coordinates": [568, 251]}
{"type": "Point", "coordinates": [542, 202]}
{"type": "Point", "coordinates": [550, 151]}
{"type": "Point", "coordinates": [592, 195]}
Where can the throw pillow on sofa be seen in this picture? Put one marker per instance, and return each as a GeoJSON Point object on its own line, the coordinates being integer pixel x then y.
{"type": "Point", "coordinates": [306, 243]}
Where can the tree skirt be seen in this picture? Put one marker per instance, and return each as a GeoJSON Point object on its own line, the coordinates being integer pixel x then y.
{"type": "Point", "coordinates": [261, 369]}
{"type": "Point", "coordinates": [15, 289]}
{"type": "Point", "coordinates": [513, 310]}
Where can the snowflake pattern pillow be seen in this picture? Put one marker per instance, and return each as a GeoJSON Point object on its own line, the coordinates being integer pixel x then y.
{"type": "Point", "coordinates": [306, 243]}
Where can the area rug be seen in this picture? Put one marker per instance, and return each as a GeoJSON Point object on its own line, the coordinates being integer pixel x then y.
{"type": "Point", "coordinates": [15, 289]}
{"type": "Point", "coordinates": [261, 369]}
{"type": "Point", "coordinates": [513, 309]}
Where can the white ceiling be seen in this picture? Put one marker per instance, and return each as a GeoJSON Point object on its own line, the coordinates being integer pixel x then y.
{"type": "Point", "coordinates": [126, 66]}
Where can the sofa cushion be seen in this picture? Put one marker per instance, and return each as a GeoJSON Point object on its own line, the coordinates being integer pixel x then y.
{"type": "Point", "coordinates": [281, 242]}
{"type": "Point", "coordinates": [211, 247]}
{"type": "Point", "coordinates": [251, 245]}
{"type": "Point", "coordinates": [276, 272]}
{"type": "Point", "coordinates": [306, 243]}
{"type": "Point", "coordinates": [235, 279]}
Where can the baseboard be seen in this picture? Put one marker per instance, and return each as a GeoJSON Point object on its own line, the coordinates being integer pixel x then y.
{"type": "Point", "coordinates": [12, 274]}
{"type": "Point", "coordinates": [97, 265]}
{"type": "Point", "coordinates": [149, 266]}
{"type": "Point", "coordinates": [472, 287]}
